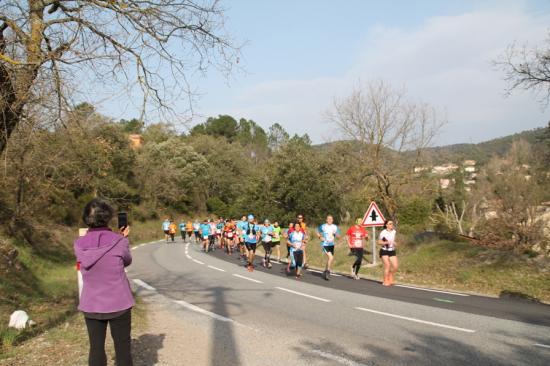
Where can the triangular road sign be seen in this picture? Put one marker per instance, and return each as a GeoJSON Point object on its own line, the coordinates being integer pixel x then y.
{"type": "Point", "coordinates": [373, 216]}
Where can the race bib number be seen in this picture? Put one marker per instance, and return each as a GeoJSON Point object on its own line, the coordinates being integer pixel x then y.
{"type": "Point", "coordinates": [205, 237]}
{"type": "Point", "coordinates": [218, 231]}
{"type": "Point", "coordinates": [229, 235]}
{"type": "Point", "coordinates": [267, 239]}
{"type": "Point", "coordinates": [329, 237]}
{"type": "Point", "coordinates": [251, 236]}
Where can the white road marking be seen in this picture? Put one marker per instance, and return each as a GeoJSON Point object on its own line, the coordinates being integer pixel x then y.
{"type": "Point", "coordinates": [541, 345]}
{"type": "Point", "coordinates": [432, 290]}
{"type": "Point", "coordinates": [198, 262]}
{"type": "Point", "coordinates": [188, 256]}
{"type": "Point", "coordinates": [314, 270]}
{"type": "Point", "coordinates": [246, 278]}
{"type": "Point", "coordinates": [217, 269]}
{"type": "Point", "coordinates": [203, 311]}
{"type": "Point", "coordinates": [335, 275]}
{"type": "Point", "coordinates": [339, 359]}
{"type": "Point", "coordinates": [417, 320]}
{"type": "Point", "coordinates": [302, 294]}
{"type": "Point", "coordinates": [139, 282]}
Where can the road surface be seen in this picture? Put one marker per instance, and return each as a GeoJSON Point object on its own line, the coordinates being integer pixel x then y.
{"type": "Point", "coordinates": [262, 318]}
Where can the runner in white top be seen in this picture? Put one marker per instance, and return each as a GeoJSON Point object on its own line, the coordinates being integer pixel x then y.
{"type": "Point", "coordinates": [328, 233]}
{"type": "Point", "coordinates": [388, 253]}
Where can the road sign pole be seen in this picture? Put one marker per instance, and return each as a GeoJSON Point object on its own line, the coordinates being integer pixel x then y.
{"type": "Point", "coordinates": [374, 245]}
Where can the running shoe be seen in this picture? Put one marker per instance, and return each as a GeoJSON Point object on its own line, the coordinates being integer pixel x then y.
{"type": "Point", "coordinates": [326, 275]}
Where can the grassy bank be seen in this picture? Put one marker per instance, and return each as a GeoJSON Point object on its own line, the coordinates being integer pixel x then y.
{"type": "Point", "coordinates": [44, 283]}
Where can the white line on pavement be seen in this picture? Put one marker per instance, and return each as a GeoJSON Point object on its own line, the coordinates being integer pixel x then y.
{"type": "Point", "coordinates": [417, 320]}
{"type": "Point", "coordinates": [339, 359]}
{"type": "Point", "coordinates": [246, 278]}
{"type": "Point", "coordinates": [217, 269]}
{"type": "Point", "coordinates": [314, 270]}
{"type": "Point", "coordinates": [203, 311]}
{"type": "Point", "coordinates": [188, 256]}
{"type": "Point", "coordinates": [432, 290]}
{"type": "Point", "coordinates": [335, 274]}
{"type": "Point", "coordinates": [139, 282]}
{"type": "Point", "coordinates": [541, 345]}
{"type": "Point", "coordinates": [302, 294]}
{"type": "Point", "coordinates": [198, 262]}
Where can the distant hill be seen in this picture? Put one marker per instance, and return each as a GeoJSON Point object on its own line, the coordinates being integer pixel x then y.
{"type": "Point", "coordinates": [481, 152]}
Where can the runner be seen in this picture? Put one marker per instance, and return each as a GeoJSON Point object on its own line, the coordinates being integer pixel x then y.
{"type": "Point", "coordinates": [388, 253]}
{"type": "Point", "coordinates": [189, 230]}
{"type": "Point", "coordinates": [286, 236]}
{"type": "Point", "coordinates": [296, 240]}
{"type": "Point", "coordinates": [303, 225]}
{"type": "Point", "coordinates": [182, 229]}
{"type": "Point", "coordinates": [196, 228]}
{"type": "Point", "coordinates": [172, 230]}
{"type": "Point", "coordinates": [229, 235]}
{"type": "Point", "coordinates": [241, 234]}
{"type": "Point", "coordinates": [212, 235]}
{"type": "Point", "coordinates": [328, 233]}
{"type": "Point", "coordinates": [252, 234]}
{"type": "Point", "coordinates": [204, 232]}
{"type": "Point", "coordinates": [166, 228]}
{"type": "Point", "coordinates": [219, 232]}
{"type": "Point", "coordinates": [355, 235]}
{"type": "Point", "coordinates": [266, 232]}
{"type": "Point", "coordinates": [276, 239]}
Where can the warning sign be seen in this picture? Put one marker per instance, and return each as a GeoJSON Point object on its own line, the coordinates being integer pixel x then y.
{"type": "Point", "coordinates": [373, 216]}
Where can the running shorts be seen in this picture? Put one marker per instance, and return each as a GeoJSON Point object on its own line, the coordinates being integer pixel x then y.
{"type": "Point", "coordinates": [328, 249]}
{"type": "Point", "coordinates": [389, 253]}
{"type": "Point", "coordinates": [250, 246]}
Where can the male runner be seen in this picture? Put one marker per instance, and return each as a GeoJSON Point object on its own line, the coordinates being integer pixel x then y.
{"type": "Point", "coordinates": [266, 233]}
{"type": "Point", "coordinates": [356, 235]}
{"type": "Point", "coordinates": [328, 232]}
{"type": "Point", "coordinates": [241, 233]}
{"type": "Point", "coordinates": [229, 234]}
{"type": "Point", "coordinates": [252, 234]}
{"type": "Point", "coordinates": [196, 228]}
{"type": "Point", "coordinates": [182, 229]}
{"type": "Point", "coordinates": [189, 230]}
{"type": "Point", "coordinates": [205, 234]}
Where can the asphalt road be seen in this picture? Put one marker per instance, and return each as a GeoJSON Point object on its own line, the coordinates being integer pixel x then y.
{"type": "Point", "coordinates": [262, 318]}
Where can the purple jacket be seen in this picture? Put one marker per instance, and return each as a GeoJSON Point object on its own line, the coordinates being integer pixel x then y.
{"type": "Point", "coordinates": [103, 255]}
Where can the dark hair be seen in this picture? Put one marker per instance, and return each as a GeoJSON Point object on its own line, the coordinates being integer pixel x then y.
{"type": "Point", "coordinates": [97, 213]}
{"type": "Point", "coordinates": [386, 223]}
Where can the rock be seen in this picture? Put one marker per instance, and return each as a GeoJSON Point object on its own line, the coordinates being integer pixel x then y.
{"type": "Point", "coordinates": [19, 319]}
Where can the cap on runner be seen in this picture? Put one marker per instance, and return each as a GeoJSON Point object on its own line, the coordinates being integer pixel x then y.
{"type": "Point", "coordinates": [250, 217]}
{"type": "Point", "coordinates": [266, 221]}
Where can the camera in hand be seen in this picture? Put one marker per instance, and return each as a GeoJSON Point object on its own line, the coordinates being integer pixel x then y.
{"type": "Point", "coordinates": [122, 220]}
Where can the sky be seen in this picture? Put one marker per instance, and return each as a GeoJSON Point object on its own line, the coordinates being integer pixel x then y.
{"type": "Point", "coordinates": [301, 55]}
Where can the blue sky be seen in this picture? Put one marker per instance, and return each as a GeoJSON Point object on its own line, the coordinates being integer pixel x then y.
{"type": "Point", "coordinates": [300, 55]}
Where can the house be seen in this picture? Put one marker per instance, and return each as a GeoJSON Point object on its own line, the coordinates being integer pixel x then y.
{"type": "Point", "coordinates": [444, 169]}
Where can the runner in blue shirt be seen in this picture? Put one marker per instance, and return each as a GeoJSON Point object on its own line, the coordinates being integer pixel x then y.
{"type": "Point", "coordinates": [204, 231]}
{"type": "Point", "coordinates": [328, 232]}
{"type": "Point", "coordinates": [251, 235]}
{"type": "Point", "coordinates": [266, 233]}
{"type": "Point", "coordinates": [182, 229]}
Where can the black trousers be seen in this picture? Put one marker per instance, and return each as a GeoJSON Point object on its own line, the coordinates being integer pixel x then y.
{"type": "Point", "coordinates": [358, 253]}
{"type": "Point", "coordinates": [120, 331]}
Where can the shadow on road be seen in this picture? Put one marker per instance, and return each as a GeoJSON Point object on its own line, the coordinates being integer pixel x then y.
{"type": "Point", "coordinates": [145, 349]}
{"type": "Point", "coordinates": [224, 350]}
{"type": "Point", "coordinates": [424, 349]}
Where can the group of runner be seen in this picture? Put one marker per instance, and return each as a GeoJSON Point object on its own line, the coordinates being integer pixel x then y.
{"type": "Point", "coordinates": [246, 234]}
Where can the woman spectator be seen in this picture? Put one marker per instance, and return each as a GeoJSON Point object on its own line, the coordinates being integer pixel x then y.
{"type": "Point", "coordinates": [106, 297]}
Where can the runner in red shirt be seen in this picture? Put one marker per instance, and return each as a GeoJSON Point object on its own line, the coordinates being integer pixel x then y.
{"type": "Point", "coordinates": [355, 236]}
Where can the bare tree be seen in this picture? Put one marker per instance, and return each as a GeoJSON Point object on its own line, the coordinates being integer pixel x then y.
{"type": "Point", "coordinates": [151, 44]}
{"type": "Point", "coordinates": [528, 69]}
{"type": "Point", "coordinates": [391, 132]}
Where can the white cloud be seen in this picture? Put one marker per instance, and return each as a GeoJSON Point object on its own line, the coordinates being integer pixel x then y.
{"type": "Point", "coordinates": [445, 62]}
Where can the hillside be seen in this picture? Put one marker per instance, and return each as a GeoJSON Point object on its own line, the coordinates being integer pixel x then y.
{"type": "Point", "coordinates": [481, 152]}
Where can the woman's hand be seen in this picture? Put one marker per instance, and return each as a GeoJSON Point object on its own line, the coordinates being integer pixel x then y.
{"type": "Point", "coordinates": [125, 231]}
